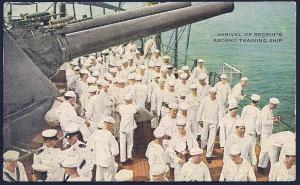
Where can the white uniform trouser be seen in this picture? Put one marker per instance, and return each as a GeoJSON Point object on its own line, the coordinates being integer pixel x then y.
{"type": "Point", "coordinates": [208, 137]}
{"type": "Point", "coordinates": [126, 139]}
{"type": "Point", "coordinates": [105, 173]}
{"type": "Point", "coordinates": [273, 152]}
{"type": "Point", "coordinates": [177, 173]}
{"type": "Point", "coordinates": [253, 141]}
{"type": "Point", "coordinates": [263, 155]}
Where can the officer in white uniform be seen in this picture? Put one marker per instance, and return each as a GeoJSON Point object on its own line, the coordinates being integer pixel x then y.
{"type": "Point", "coordinates": [39, 172]}
{"type": "Point", "coordinates": [223, 90]}
{"type": "Point", "coordinates": [267, 121]}
{"type": "Point", "coordinates": [71, 165]}
{"type": "Point", "coordinates": [237, 169]}
{"type": "Point", "coordinates": [49, 155]}
{"type": "Point", "coordinates": [128, 112]}
{"type": "Point", "coordinates": [195, 169]}
{"type": "Point", "coordinates": [209, 115]}
{"type": "Point", "coordinates": [66, 113]}
{"type": "Point", "coordinates": [155, 151]}
{"type": "Point", "coordinates": [237, 92]}
{"type": "Point", "coordinates": [75, 147]}
{"type": "Point", "coordinates": [13, 170]}
{"type": "Point", "coordinates": [227, 124]}
{"type": "Point", "coordinates": [104, 148]}
{"type": "Point", "coordinates": [180, 145]}
{"type": "Point", "coordinates": [285, 170]}
{"type": "Point", "coordinates": [252, 117]}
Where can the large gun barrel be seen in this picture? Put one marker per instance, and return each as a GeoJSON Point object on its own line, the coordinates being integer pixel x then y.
{"type": "Point", "coordinates": [124, 16]}
{"type": "Point", "coordinates": [92, 40]}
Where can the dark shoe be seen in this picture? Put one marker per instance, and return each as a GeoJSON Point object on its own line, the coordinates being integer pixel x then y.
{"type": "Point", "coordinates": [261, 170]}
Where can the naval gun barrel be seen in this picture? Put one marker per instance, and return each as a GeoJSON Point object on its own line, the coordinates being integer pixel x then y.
{"type": "Point", "coordinates": [93, 40]}
{"type": "Point", "coordinates": [124, 16]}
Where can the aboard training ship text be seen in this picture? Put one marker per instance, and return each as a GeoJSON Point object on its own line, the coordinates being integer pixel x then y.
{"type": "Point", "coordinates": [248, 38]}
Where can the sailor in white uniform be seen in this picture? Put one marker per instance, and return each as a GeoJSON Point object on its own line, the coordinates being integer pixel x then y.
{"type": "Point", "coordinates": [224, 90]}
{"type": "Point", "coordinates": [159, 172]}
{"type": "Point", "coordinates": [180, 145]}
{"type": "Point", "coordinates": [13, 170]}
{"type": "Point", "coordinates": [267, 121]}
{"type": "Point", "coordinates": [71, 81]}
{"type": "Point", "coordinates": [155, 151]}
{"type": "Point", "coordinates": [200, 69]}
{"type": "Point", "coordinates": [252, 117]}
{"type": "Point", "coordinates": [237, 168]}
{"type": "Point", "coordinates": [75, 147]}
{"type": "Point", "coordinates": [168, 122]}
{"type": "Point", "coordinates": [66, 113]}
{"type": "Point", "coordinates": [182, 85]}
{"type": "Point", "coordinates": [285, 170]}
{"type": "Point", "coordinates": [157, 100]}
{"type": "Point", "coordinates": [195, 169]}
{"type": "Point", "coordinates": [49, 155]}
{"type": "Point", "coordinates": [104, 148]}
{"type": "Point", "coordinates": [71, 165]}
{"type": "Point", "coordinates": [227, 124]}
{"type": "Point", "coordinates": [209, 115]}
{"type": "Point", "coordinates": [237, 92]}
{"type": "Point", "coordinates": [128, 112]}
{"type": "Point", "coordinates": [202, 86]}
{"type": "Point", "coordinates": [140, 92]}
{"type": "Point", "coordinates": [81, 83]}
{"type": "Point", "coordinates": [39, 172]}
{"type": "Point", "coordinates": [84, 98]}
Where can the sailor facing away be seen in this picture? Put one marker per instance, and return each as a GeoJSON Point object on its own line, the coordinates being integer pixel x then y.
{"type": "Point", "coordinates": [237, 92]}
{"type": "Point", "coordinates": [155, 151]}
{"type": "Point", "coordinates": [128, 112]}
{"type": "Point", "coordinates": [39, 172]}
{"type": "Point", "coordinates": [209, 115]}
{"type": "Point", "coordinates": [227, 124]}
{"type": "Point", "coordinates": [104, 148]}
{"type": "Point", "coordinates": [237, 169]}
{"type": "Point", "coordinates": [195, 169]}
{"type": "Point", "coordinates": [285, 170]}
{"type": "Point", "coordinates": [267, 121]}
{"type": "Point", "coordinates": [13, 170]}
{"type": "Point", "coordinates": [48, 155]}
{"type": "Point", "coordinates": [71, 164]}
{"type": "Point", "coordinates": [181, 143]}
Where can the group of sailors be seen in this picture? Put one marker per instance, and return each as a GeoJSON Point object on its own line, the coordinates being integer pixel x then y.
{"type": "Point", "coordinates": [110, 91]}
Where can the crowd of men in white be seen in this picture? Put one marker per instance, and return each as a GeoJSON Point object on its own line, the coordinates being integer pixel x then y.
{"type": "Point", "coordinates": [120, 82]}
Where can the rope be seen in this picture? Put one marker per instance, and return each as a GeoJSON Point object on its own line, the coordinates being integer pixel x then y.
{"type": "Point", "coordinates": [187, 43]}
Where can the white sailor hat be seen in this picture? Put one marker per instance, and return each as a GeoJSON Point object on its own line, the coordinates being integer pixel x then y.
{"type": "Point", "coordinates": [130, 57]}
{"type": "Point", "coordinates": [124, 175]}
{"type": "Point", "coordinates": [127, 96]}
{"type": "Point", "coordinates": [109, 119]}
{"type": "Point", "coordinates": [244, 79]}
{"type": "Point", "coordinates": [142, 67]}
{"type": "Point", "coordinates": [138, 77]}
{"type": "Point", "coordinates": [171, 83]}
{"type": "Point", "coordinates": [173, 106]}
{"type": "Point", "coordinates": [100, 81]}
{"type": "Point", "coordinates": [49, 133]}
{"type": "Point", "coordinates": [212, 89]}
{"type": "Point", "coordinates": [185, 68]}
{"type": "Point", "coordinates": [158, 169]}
{"type": "Point", "coordinates": [112, 63]}
{"type": "Point", "coordinates": [109, 76]}
{"type": "Point", "coordinates": [156, 75]}
{"type": "Point", "coordinates": [91, 80]}
{"type": "Point", "coordinates": [202, 76]}
{"type": "Point", "coordinates": [118, 63]}
{"type": "Point", "coordinates": [40, 167]}
{"type": "Point", "coordinates": [92, 89]}
{"type": "Point", "coordinates": [95, 73]}
{"type": "Point", "coordinates": [84, 71]}
{"type": "Point", "coordinates": [200, 60]}
{"type": "Point", "coordinates": [180, 146]}
{"type": "Point", "coordinates": [72, 128]}
{"type": "Point", "coordinates": [240, 123]}
{"type": "Point", "coordinates": [274, 101]}
{"type": "Point", "coordinates": [113, 70]}
{"type": "Point", "coordinates": [234, 149]}
{"type": "Point", "coordinates": [88, 63]}
{"type": "Point", "coordinates": [131, 76]}
{"type": "Point", "coordinates": [164, 69]}
{"type": "Point", "coordinates": [166, 57]}
{"type": "Point", "coordinates": [291, 149]}
{"type": "Point", "coordinates": [137, 52]}
{"type": "Point", "coordinates": [183, 94]}
{"type": "Point", "coordinates": [11, 155]}
{"type": "Point", "coordinates": [92, 57]}
{"type": "Point", "coordinates": [70, 94]}
{"type": "Point", "coordinates": [76, 68]}
{"type": "Point", "coordinates": [169, 66]}
{"type": "Point", "coordinates": [157, 64]}
{"type": "Point", "coordinates": [106, 51]}
{"type": "Point", "coordinates": [114, 80]}
{"type": "Point", "coordinates": [156, 51]}
{"type": "Point", "coordinates": [255, 97]}
{"type": "Point", "coordinates": [71, 162]}
{"type": "Point", "coordinates": [131, 46]}
{"type": "Point", "coordinates": [121, 80]}
{"type": "Point", "coordinates": [223, 76]}
{"type": "Point", "coordinates": [183, 76]}
{"type": "Point", "coordinates": [159, 132]}
{"type": "Point", "coordinates": [196, 151]}
{"type": "Point", "coordinates": [99, 59]}
{"type": "Point", "coordinates": [124, 61]}
{"type": "Point", "coordinates": [193, 86]}
{"type": "Point", "coordinates": [180, 122]}
{"type": "Point", "coordinates": [232, 106]}
{"type": "Point", "coordinates": [161, 79]}
{"type": "Point", "coordinates": [183, 106]}
{"type": "Point", "coordinates": [74, 63]}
